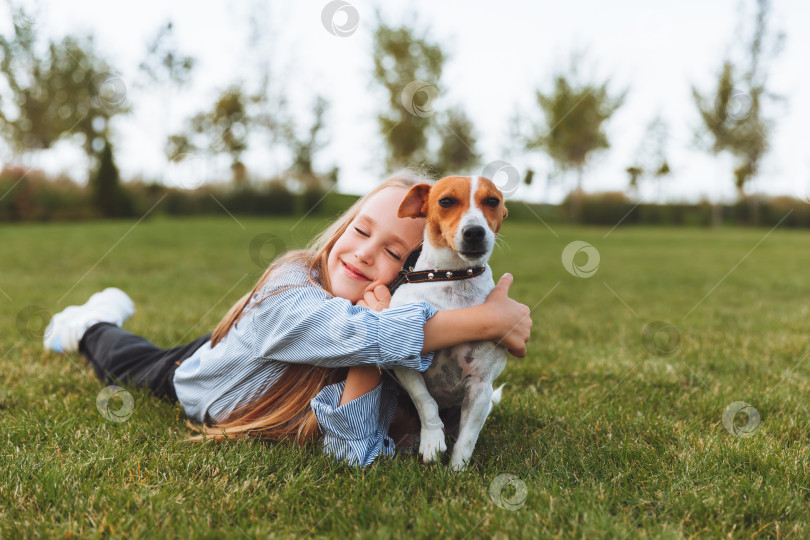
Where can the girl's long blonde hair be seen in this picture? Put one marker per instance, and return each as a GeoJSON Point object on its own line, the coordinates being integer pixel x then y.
{"type": "Point", "coordinates": [283, 411]}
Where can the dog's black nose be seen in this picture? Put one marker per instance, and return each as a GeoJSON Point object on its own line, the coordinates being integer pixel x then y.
{"type": "Point", "coordinates": [474, 233]}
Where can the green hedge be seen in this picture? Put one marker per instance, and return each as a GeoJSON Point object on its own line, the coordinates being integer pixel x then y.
{"type": "Point", "coordinates": [29, 196]}
{"type": "Point", "coordinates": [610, 208]}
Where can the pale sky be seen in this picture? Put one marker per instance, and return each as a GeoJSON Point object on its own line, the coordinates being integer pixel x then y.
{"type": "Point", "coordinates": [499, 54]}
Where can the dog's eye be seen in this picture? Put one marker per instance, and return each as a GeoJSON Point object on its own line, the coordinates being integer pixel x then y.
{"type": "Point", "coordinates": [492, 201]}
{"type": "Point", "coordinates": [446, 202]}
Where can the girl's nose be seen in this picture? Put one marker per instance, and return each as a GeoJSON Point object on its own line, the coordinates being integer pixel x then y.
{"type": "Point", "coordinates": [364, 254]}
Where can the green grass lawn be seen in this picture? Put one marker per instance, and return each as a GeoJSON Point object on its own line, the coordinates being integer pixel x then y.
{"type": "Point", "coordinates": [610, 432]}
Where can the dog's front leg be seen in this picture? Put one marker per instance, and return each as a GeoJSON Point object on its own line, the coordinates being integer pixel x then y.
{"type": "Point", "coordinates": [431, 439]}
{"type": "Point", "coordinates": [474, 411]}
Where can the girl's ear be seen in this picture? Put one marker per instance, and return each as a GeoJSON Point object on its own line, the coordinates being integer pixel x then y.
{"type": "Point", "coordinates": [414, 205]}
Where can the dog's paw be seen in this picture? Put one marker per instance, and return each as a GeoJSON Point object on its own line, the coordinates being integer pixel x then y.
{"type": "Point", "coordinates": [462, 454]}
{"type": "Point", "coordinates": [457, 463]}
{"type": "Point", "coordinates": [431, 444]}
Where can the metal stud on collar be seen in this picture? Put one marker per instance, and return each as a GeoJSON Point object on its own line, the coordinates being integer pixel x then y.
{"type": "Point", "coordinates": [430, 275]}
{"type": "Point", "coordinates": [449, 274]}
{"type": "Point", "coordinates": [469, 271]}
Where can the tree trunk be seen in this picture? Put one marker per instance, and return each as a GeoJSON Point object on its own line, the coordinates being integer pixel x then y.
{"type": "Point", "coordinates": [717, 214]}
{"type": "Point", "coordinates": [576, 200]}
{"type": "Point", "coordinates": [574, 203]}
{"type": "Point", "coordinates": [717, 206]}
{"type": "Point", "coordinates": [752, 212]}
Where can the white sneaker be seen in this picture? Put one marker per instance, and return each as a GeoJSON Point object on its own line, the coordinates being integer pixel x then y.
{"type": "Point", "coordinates": [67, 327]}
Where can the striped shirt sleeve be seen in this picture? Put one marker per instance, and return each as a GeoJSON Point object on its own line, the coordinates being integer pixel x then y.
{"type": "Point", "coordinates": [305, 325]}
{"type": "Point", "coordinates": [356, 432]}
{"type": "Point", "coordinates": [302, 324]}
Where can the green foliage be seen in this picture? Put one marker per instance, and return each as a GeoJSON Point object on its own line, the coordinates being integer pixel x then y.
{"type": "Point", "coordinates": [226, 129]}
{"type": "Point", "coordinates": [457, 154]}
{"type": "Point", "coordinates": [336, 203]}
{"type": "Point", "coordinates": [732, 113]}
{"type": "Point", "coordinates": [605, 208]}
{"type": "Point", "coordinates": [714, 110]}
{"type": "Point", "coordinates": [402, 57]}
{"type": "Point", "coordinates": [223, 129]}
{"type": "Point", "coordinates": [164, 64]}
{"type": "Point", "coordinates": [409, 67]}
{"type": "Point", "coordinates": [574, 117]}
{"type": "Point", "coordinates": [167, 69]}
{"type": "Point", "coordinates": [635, 173]}
{"type": "Point", "coordinates": [66, 90]}
{"type": "Point", "coordinates": [30, 196]}
{"type": "Point", "coordinates": [573, 129]}
{"type": "Point", "coordinates": [269, 199]}
{"type": "Point", "coordinates": [611, 208]}
{"type": "Point", "coordinates": [27, 195]}
{"type": "Point", "coordinates": [272, 200]}
{"type": "Point", "coordinates": [304, 149]}
{"type": "Point", "coordinates": [226, 124]}
{"type": "Point", "coordinates": [651, 156]}
{"type": "Point", "coordinates": [733, 119]}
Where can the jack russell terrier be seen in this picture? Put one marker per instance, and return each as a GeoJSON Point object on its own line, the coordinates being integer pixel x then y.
{"type": "Point", "coordinates": [464, 215]}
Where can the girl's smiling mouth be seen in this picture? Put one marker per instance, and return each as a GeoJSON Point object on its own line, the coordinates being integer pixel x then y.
{"type": "Point", "coordinates": [353, 272]}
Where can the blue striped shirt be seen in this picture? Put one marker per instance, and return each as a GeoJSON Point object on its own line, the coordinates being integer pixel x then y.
{"type": "Point", "coordinates": [304, 324]}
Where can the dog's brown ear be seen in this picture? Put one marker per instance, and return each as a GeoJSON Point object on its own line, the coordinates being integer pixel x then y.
{"type": "Point", "coordinates": [413, 206]}
{"type": "Point", "coordinates": [505, 211]}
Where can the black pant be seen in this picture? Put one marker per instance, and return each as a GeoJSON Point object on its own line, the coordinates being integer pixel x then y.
{"type": "Point", "coordinates": [120, 356]}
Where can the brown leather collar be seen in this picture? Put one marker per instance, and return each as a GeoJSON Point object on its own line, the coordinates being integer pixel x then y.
{"type": "Point", "coordinates": [407, 275]}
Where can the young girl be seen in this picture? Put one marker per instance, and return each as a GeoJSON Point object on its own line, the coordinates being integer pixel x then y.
{"type": "Point", "coordinates": [300, 355]}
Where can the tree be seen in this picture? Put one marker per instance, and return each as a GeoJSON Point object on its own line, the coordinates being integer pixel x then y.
{"type": "Point", "coordinates": [409, 67]}
{"type": "Point", "coordinates": [268, 107]}
{"type": "Point", "coordinates": [303, 150]}
{"type": "Point", "coordinates": [108, 195]}
{"type": "Point", "coordinates": [166, 68]}
{"type": "Point", "coordinates": [223, 129]}
{"type": "Point", "coordinates": [515, 144]}
{"type": "Point", "coordinates": [164, 64]}
{"type": "Point", "coordinates": [752, 141]}
{"type": "Point", "coordinates": [66, 90]}
{"type": "Point", "coordinates": [651, 156]}
{"type": "Point", "coordinates": [732, 113]}
{"type": "Point", "coordinates": [457, 152]}
{"type": "Point", "coordinates": [575, 112]}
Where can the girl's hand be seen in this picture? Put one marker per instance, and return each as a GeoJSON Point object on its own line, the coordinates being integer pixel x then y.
{"type": "Point", "coordinates": [376, 297]}
{"type": "Point", "coordinates": [499, 319]}
{"type": "Point", "coordinates": [510, 319]}
{"type": "Point", "coordinates": [363, 379]}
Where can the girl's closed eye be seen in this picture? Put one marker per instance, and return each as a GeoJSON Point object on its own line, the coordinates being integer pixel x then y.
{"type": "Point", "coordinates": [393, 254]}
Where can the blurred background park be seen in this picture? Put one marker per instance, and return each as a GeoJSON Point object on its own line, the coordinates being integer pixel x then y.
{"type": "Point", "coordinates": [632, 112]}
